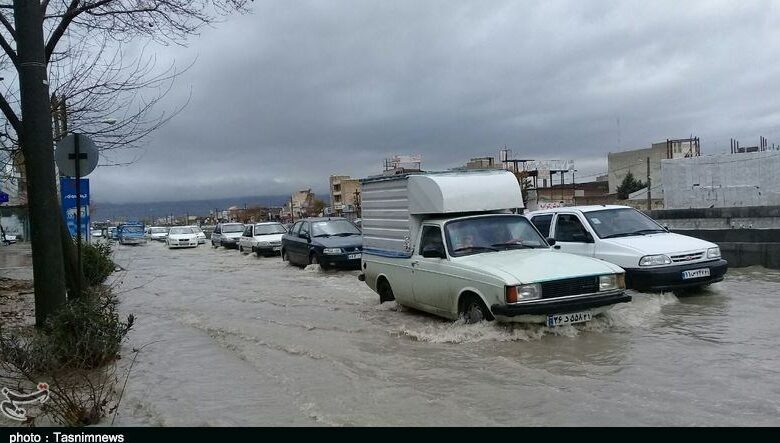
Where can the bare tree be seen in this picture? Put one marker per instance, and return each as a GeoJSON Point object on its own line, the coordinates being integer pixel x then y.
{"type": "Point", "coordinates": [68, 58]}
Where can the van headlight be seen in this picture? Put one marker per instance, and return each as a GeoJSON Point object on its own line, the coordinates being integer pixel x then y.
{"type": "Point", "coordinates": [653, 260]}
{"type": "Point", "coordinates": [520, 293]}
{"type": "Point", "coordinates": [332, 251]}
{"type": "Point", "coordinates": [713, 252]}
{"type": "Point", "coordinates": [612, 282]}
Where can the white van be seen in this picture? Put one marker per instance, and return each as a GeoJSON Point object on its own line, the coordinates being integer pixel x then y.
{"type": "Point", "coordinates": [654, 258]}
{"type": "Point", "coordinates": [450, 244]}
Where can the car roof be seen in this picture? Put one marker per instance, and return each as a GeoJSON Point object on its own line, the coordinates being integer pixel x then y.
{"type": "Point", "coordinates": [586, 208]}
{"type": "Point", "coordinates": [319, 219]}
{"type": "Point", "coordinates": [267, 223]}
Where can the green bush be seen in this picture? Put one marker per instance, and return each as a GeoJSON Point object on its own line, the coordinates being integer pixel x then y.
{"type": "Point", "coordinates": [97, 263]}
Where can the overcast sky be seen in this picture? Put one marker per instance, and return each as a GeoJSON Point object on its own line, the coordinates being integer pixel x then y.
{"type": "Point", "coordinates": [295, 91]}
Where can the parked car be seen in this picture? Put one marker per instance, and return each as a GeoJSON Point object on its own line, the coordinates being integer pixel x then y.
{"type": "Point", "coordinates": [111, 233]}
{"type": "Point", "coordinates": [227, 235]}
{"type": "Point", "coordinates": [157, 233]}
{"type": "Point", "coordinates": [450, 244]}
{"type": "Point", "coordinates": [96, 233]}
{"type": "Point", "coordinates": [654, 258]}
{"type": "Point", "coordinates": [199, 232]}
{"type": "Point", "coordinates": [181, 237]}
{"type": "Point", "coordinates": [329, 242]}
{"type": "Point", "coordinates": [264, 239]}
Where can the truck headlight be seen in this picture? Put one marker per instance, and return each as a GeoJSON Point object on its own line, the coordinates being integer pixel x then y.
{"type": "Point", "coordinates": [713, 252]}
{"type": "Point", "coordinates": [612, 282]}
{"type": "Point", "coordinates": [653, 260]}
{"type": "Point", "coordinates": [332, 251]}
{"type": "Point", "coordinates": [520, 293]}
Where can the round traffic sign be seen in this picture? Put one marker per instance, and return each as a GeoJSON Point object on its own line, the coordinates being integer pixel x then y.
{"type": "Point", "coordinates": [65, 155]}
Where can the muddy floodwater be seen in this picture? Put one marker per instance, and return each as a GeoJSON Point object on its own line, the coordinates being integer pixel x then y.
{"type": "Point", "coordinates": [231, 339]}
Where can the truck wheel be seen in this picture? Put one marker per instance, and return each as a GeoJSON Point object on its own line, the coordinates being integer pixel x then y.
{"type": "Point", "coordinates": [385, 291]}
{"type": "Point", "coordinates": [474, 311]}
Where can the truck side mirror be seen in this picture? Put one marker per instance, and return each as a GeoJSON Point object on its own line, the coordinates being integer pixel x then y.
{"type": "Point", "coordinates": [550, 241]}
{"type": "Point", "coordinates": [432, 251]}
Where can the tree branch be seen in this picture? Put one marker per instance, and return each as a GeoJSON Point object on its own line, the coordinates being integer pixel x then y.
{"type": "Point", "coordinates": [8, 26]}
{"type": "Point", "coordinates": [68, 17]}
{"type": "Point", "coordinates": [9, 50]}
{"type": "Point", "coordinates": [10, 115]}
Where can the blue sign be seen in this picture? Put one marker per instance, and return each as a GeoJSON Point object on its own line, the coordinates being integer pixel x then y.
{"type": "Point", "coordinates": [3, 197]}
{"type": "Point", "coordinates": [68, 195]}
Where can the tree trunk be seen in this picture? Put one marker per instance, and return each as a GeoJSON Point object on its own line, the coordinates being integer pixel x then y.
{"type": "Point", "coordinates": [37, 146]}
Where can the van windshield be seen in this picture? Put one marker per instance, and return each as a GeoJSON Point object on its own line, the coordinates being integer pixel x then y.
{"type": "Point", "coordinates": [621, 222]}
{"type": "Point", "coordinates": [490, 234]}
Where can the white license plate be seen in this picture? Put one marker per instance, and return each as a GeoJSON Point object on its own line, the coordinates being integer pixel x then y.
{"type": "Point", "coordinates": [354, 256]}
{"type": "Point", "coordinates": [568, 319]}
{"type": "Point", "coordinates": [696, 273]}
{"type": "Point", "coordinates": [277, 248]}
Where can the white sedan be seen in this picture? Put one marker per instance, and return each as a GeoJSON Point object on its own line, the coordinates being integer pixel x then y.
{"type": "Point", "coordinates": [199, 232]}
{"type": "Point", "coordinates": [182, 237]}
{"type": "Point", "coordinates": [264, 239]}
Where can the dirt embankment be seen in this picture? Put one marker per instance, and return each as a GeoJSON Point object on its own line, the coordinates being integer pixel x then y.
{"type": "Point", "coordinates": [17, 303]}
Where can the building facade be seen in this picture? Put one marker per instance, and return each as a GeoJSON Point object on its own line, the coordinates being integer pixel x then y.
{"type": "Point", "coordinates": [344, 196]}
{"type": "Point", "coordinates": [619, 164]}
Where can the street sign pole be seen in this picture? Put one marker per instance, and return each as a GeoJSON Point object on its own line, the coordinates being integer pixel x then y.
{"type": "Point", "coordinates": [77, 158]}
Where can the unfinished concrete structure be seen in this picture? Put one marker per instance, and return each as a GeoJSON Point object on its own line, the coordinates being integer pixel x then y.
{"type": "Point", "coordinates": [722, 181]}
{"type": "Point", "coordinates": [344, 195]}
{"type": "Point", "coordinates": [619, 164]}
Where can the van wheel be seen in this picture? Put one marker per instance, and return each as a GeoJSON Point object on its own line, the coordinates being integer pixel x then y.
{"type": "Point", "coordinates": [385, 291]}
{"type": "Point", "coordinates": [474, 311]}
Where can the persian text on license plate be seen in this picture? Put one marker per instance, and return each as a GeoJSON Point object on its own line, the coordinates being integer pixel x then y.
{"type": "Point", "coordinates": [696, 273]}
{"type": "Point", "coordinates": [353, 256]}
{"type": "Point", "coordinates": [568, 319]}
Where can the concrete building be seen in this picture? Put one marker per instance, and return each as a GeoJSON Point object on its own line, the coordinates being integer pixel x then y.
{"type": "Point", "coordinates": [722, 181]}
{"type": "Point", "coordinates": [619, 164]}
{"type": "Point", "coordinates": [482, 163]}
{"type": "Point", "coordinates": [344, 196]}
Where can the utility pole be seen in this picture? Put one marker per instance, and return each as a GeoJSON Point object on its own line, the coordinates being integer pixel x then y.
{"type": "Point", "coordinates": [649, 201]}
{"type": "Point", "coordinates": [37, 142]}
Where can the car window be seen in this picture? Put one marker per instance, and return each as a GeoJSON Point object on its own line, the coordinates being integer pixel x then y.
{"type": "Point", "coordinates": [542, 223]}
{"type": "Point", "coordinates": [247, 231]}
{"type": "Point", "coordinates": [218, 229]}
{"type": "Point", "coordinates": [431, 236]}
{"type": "Point", "coordinates": [295, 228]}
{"type": "Point", "coordinates": [568, 228]}
{"type": "Point", "coordinates": [233, 227]}
{"type": "Point", "coordinates": [329, 228]}
{"type": "Point", "coordinates": [269, 229]}
{"type": "Point", "coordinates": [621, 222]}
{"type": "Point", "coordinates": [181, 230]}
{"type": "Point", "coordinates": [304, 229]}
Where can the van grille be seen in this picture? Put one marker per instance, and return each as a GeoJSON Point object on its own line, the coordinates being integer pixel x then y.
{"type": "Point", "coordinates": [570, 286]}
{"type": "Point", "coordinates": [687, 257]}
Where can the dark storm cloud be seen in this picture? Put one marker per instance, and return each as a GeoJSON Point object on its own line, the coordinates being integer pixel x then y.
{"type": "Point", "coordinates": [296, 91]}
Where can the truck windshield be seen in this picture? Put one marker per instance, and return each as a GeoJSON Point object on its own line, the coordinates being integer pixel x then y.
{"type": "Point", "coordinates": [133, 230]}
{"type": "Point", "coordinates": [622, 222]}
{"type": "Point", "coordinates": [488, 234]}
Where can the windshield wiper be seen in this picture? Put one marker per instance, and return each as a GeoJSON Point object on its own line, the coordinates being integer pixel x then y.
{"type": "Point", "coordinates": [622, 234]}
{"type": "Point", "coordinates": [323, 235]}
{"type": "Point", "coordinates": [346, 234]}
{"type": "Point", "coordinates": [475, 248]}
{"type": "Point", "coordinates": [512, 244]}
{"type": "Point", "coordinates": [649, 231]}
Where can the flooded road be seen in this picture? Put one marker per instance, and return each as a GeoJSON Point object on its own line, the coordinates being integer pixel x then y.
{"type": "Point", "coordinates": [231, 339]}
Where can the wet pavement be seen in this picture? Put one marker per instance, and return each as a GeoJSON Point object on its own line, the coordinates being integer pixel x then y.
{"type": "Point", "coordinates": [231, 339]}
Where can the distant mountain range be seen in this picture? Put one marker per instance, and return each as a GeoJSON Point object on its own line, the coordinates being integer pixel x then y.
{"type": "Point", "coordinates": [151, 210]}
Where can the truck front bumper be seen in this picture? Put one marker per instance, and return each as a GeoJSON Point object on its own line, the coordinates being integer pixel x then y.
{"type": "Point", "coordinates": [669, 278]}
{"type": "Point", "coordinates": [562, 305]}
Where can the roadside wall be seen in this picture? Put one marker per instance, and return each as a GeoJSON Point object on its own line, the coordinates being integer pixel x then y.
{"type": "Point", "coordinates": [722, 181]}
{"type": "Point", "coordinates": [747, 236]}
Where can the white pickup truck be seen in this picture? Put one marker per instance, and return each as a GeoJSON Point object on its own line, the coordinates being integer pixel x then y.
{"type": "Point", "coordinates": [450, 244]}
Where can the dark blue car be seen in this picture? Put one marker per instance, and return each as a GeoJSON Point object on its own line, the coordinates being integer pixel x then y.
{"type": "Point", "coordinates": [329, 242]}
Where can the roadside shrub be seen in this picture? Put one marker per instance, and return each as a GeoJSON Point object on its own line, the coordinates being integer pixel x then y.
{"type": "Point", "coordinates": [74, 352]}
{"type": "Point", "coordinates": [97, 263]}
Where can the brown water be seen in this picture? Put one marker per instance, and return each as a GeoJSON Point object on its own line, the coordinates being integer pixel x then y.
{"type": "Point", "coordinates": [240, 340]}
